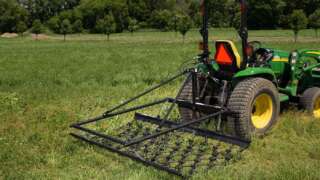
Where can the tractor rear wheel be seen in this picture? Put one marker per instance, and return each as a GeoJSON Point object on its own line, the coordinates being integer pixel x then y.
{"type": "Point", "coordinates": [255, 107]}
{"type": "Point", "coordinates": [186, 94]}
{"type": "Point", "coordinates": [310, 101]}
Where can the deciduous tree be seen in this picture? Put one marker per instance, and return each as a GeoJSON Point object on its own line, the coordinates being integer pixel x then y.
{"type": "Point", "coordinates": [184, 24]}
{"type": "Point", "coordinates": [133, 25]}
{"type": "Point", "coordinates": [65, 28]}
{"type": "Point", "coordinates": [161, 19]}
{"type": "Point", "coordinates": [106, 25]}
{"type": "Point", "coordinates": [37, 28]}
{"type": "Point", "coordinates": [54, 24]}
{"type": "Point", "coordinates": [77, 26]}
{"type": "Point", "coordinates": [21, 27]}
{"type": "Point", "coordinates": [297, 21]}
{"type": "Point", "coordinates": [314, 21]}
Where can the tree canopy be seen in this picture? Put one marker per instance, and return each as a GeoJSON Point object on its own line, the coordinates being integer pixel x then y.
{"type": "Point", "coordinates": [314, 21]}
{"type": "Point", "coordinates": [159, 14]}
{"type": "Point", "coordinates": [11, 13]}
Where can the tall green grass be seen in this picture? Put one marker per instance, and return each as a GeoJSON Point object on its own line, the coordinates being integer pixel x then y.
{"type": "Point", "coordinates": [46, 85]}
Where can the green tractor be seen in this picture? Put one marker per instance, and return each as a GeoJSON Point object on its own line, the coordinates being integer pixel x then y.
{"type": "Point", "coordinates": [227, 98]}
{"type": "Point", "coordinates": [254, 86]}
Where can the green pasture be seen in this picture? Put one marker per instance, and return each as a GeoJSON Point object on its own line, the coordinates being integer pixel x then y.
{"type": "Point", "coordinates": [46, 85]}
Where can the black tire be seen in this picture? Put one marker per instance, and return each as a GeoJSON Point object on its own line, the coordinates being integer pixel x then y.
{"type": "Point", "coordinates": [242, 102]}
{"type": "Point", "coordinates": [188, 115]}
{"type": "Point", "coordinates": [310, 101]}
{"type": "Point", "coordinates": [186, 94]}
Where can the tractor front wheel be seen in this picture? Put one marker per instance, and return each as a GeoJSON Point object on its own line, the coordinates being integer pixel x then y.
{"type": "Point", "coordinates": [255, 107]}
{"type": "Point", "coordinates": [310, 101]}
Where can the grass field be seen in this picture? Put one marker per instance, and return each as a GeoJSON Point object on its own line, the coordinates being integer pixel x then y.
{"type": "Point", "coordinates": [47, 85]}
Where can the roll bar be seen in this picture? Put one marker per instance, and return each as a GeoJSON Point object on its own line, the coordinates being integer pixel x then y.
{"type": "Point", "coordinates": [243, 31]}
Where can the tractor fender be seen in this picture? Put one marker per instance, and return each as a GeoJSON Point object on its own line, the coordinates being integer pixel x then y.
{"type": "Point", "coordinates": [255, 72]}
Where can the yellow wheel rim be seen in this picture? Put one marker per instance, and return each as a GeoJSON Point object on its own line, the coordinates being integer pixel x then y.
{"type": "Point", "coordinates": [262, 111]}
{"type": "Point", "coordinates": [316, 108]}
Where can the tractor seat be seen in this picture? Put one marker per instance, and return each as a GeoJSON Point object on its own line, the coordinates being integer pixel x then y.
{"type": "Point", "coordinates": [227, 57]}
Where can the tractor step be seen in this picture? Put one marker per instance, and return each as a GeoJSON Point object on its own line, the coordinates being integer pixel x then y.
{"type": "Point", "coordinates": [182, 152]}
{"type": "Point", "coordinates": [283, 97]}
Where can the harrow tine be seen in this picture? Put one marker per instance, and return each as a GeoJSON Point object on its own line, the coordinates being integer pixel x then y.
{"type": "Point", "coordinates": [199, 132]}
{"type": "Point", "coordinates": [136, 158]}
{"type": "Point", "coordinates": [170, 152]}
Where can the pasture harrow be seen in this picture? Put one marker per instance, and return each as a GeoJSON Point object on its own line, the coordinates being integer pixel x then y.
{"type": "Point", "coordinates": [225, 100]}
{"type": "Point", "coordinates": [173, 145]}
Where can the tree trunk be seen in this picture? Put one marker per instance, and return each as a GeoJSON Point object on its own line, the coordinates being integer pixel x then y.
{"type": "Point", "coordinates": [64, 37]}
{"type": "Point", "coordinates": [183, 38]}
{"type": "Point", "coordinates": [317, 33]}
{"type": "Point", "coordinates": [295, 36]}
{"type": "Point", "coordinates": [108, 37]}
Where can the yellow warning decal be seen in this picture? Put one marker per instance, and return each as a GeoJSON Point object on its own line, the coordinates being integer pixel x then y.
{"type": "Point", "coordinates": [280, 59]}
{"type": "Point", "coordinates": [313, 52]}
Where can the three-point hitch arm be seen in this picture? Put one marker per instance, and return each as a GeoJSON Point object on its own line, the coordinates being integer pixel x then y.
{"type": "Point", "coordinates": [243, 31]}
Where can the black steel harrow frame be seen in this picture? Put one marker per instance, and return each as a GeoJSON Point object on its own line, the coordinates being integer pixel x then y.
{"type": "Point", "coordinates": [178, 147]}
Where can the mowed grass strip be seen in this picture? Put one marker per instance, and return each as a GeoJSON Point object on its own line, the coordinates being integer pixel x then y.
{"type": "Point", "coordinates": [47, 85]}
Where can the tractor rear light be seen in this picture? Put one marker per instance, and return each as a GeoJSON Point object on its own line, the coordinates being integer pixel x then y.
{"type": "Point", "coordinates": [249, 50]}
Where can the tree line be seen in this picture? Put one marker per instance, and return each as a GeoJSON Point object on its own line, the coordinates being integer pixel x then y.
{"type": "Point", "coordinates": [109, 16]}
